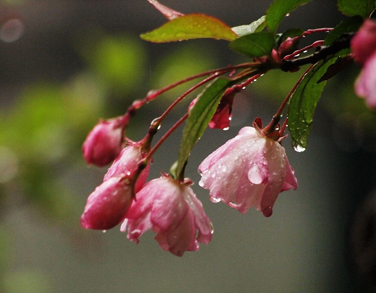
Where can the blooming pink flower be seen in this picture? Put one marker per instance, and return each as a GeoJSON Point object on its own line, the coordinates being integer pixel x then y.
{"type": "Point", "coordinates": [363, 44]}
{"type": "Point", "coordinates": [249, 170]}
{"type": "Point", "coordinates": [107, 204]}
{"type": "Point", "coordinates": [103, 143]}
{"type": "Point", "coordinates": [174, 213]}
{"type": "Point", "coordinates": [127, 163]}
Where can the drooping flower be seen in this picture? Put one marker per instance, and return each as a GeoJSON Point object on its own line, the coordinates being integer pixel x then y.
{"type": "Point", "coordinates": [107, 204]}
{"type": "Point", "coordinates": [249, 170]}
{"type": "Point", "coordinates": [171, 209]}
{"type": "Point", "coordinates": [363, 44]}
{"type": "Point", "coordinates": [127, 163]}
{"type": "Point", "coordinates": [103, 143]}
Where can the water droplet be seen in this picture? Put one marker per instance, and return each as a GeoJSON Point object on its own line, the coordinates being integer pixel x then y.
{"type": "Point", "coordinates": [225, 128]}
{"type": "Point", "coordinates": [224, 168]}
{"type": "Point", "coordinates": [267, 212]}
{"type": "Point", "coordinates": [211, 227]}
{"type": "Point", "coordinates": [298, 148]}
{"type": "Point", "coordinates": [104, 231]}
{"type": "Point", "coordinates": [255, 175]}
{"type": "Point", "coordinates": [215, 199]}
{"type": "Point", "coordinates": [201, 183]}
{"type": "Point", "coordinates": [288, 14]}
{"type": "Point", "coordinates": [213, 175]}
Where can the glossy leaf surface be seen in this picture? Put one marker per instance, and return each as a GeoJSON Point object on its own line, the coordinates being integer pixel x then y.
{"type": "Point", "coordinates": [191, 26]}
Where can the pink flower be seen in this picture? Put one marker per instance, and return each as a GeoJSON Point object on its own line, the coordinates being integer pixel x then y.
{"type": "Point", "coordinates": [249, 170]}
{"type": "Point", "coordinates": [363, 44]}
{"type": "Point", "coordinates": [127, 163]}
{"type": "Point", "coordinates": [365, 85]}
{"type": "Point", "coordinates": [171, 209]}
{"type": "Point", "coordinates": [107, 204]}
{"type": "Point", "coordinates": [103, 143]}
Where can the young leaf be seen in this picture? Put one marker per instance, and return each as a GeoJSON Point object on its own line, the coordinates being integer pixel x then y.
{"type": "Point", "coordinates": [254, 45]}
{"type": "Point", "coordinates": [198, 119]}
{"type": "Point", "coordinates": [279, 9]}
{"type": "Point", "coordinates": [256, 26]}
{"type": "Point", "coordinates": [348, 25]}
{"type": "Point", "coordinates": [191, 26]}
{"type": "Point", "coordinates": [359, 7]}
{"type": "Point", "coordinates": [303, 103]}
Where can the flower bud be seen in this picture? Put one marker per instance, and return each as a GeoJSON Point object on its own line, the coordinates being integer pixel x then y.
{"type": "Point", "coordinates": [103, 143]}
{"type": "Point", "coordinates": [107, 204]}
{"type": "Point", "coordinates": [363, 44]}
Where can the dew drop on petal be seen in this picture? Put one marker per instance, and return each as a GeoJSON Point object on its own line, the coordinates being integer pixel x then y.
{"type": "Point", "coordinates": [255, 175]}
{"type": "Point", "coordinates": [267, 212]}
{"type": "Point", "coordinates": [215, 199]}
{"type": "Point", "coordinates": [224, 168]}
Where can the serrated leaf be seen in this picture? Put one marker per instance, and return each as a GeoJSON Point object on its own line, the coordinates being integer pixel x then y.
{"type": "Point", "coordinates": [348, 25]}
{"type": "Point", "coordinates": [256, 26]}
{"type": "Point", "coordinates": [359, 7]}
{"type": "Point", "coordinates": [303, 103]}
{"type": "Point", "coordinates": [191, 26]}
{"type": "Point", "coordinates": [254, 45]}
{"type": "Point", "coordinates": [199, 118]}
{"type": "Point", "coordinates": [278, 11]}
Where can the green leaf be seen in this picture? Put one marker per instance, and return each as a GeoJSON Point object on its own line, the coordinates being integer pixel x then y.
{"type": "Point", "coordinates": [256, 26]}
{"type": "Point", "coordinates": [303, 103]}
{"type": "Point", "coordinates": [199, 117]}
{"type": "Point", "coordinates": [291, 33]}
{"type": "Point", "coordinates": [191, 26]}
{"type": "Point", "coordinates": [254, 45]}
{"type": "Point", "coordinates": [278, 11]}
{"type": "Point", "coordinates": [348, 25]}
{"type": "Point", "coordinates": [359, 7]}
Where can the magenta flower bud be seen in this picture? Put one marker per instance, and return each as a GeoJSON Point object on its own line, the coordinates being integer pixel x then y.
{"type": "Point", "coordinates": [171, 209]}
{"type": "Point", "coordinates": [127, 163]}
{"type": "Point", "coordinates": [107, 204]}
{"type": "Point", "coordinates": [249, 170]}
{"type": "Point", "coordinates": [363, 44]}
{"type": "Point", "coordinates": [103, 143]}
{"type": "Point", "coordinates": [222, 117]}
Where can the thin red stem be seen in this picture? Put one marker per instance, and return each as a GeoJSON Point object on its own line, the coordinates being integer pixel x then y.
{"type": "Point", "coordinates": [302, 50]}
{"type": "Point", "coordinates": [277, 116]}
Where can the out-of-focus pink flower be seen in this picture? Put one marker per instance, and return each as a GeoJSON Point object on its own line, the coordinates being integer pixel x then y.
{"type": "Point", "coordinates": [249, 170]}
{"type": "Point", "coordinates": [107, 204]}
{"type": "Point", "coordinates": [363, 44]}
{"type": "Point", "coordinates": [127, 163]}
{"type": "Point", "coordinates": [365, 86]}
{"type": "Point", "coordinates": [171, 209]}
{"type": "Point", "coordinates": [103, 143]}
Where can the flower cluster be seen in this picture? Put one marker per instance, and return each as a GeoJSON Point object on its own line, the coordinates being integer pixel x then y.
{"type": "Point", "coordinates": [249, 170]}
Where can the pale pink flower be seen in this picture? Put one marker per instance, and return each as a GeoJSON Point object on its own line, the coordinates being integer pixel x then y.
{"type": "Point", "coordinates": [127, 163]}
{"type": "Point", "coordinates": [103, 143]}
{"type": "Point", "coordinates": [363, 44]}
{"type": "Point", "coordinates": [171, 209]}
{"type": "Point", "coordinates": [365, 86]}
{"type": "Point", "coordinates": [249, 170]}
{"type": "Point", "coordinates": [107, 204]}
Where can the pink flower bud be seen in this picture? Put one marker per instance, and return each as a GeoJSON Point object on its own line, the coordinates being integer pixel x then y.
{"type": "Point", "coordinates": [249, 170]}
{"type": "Point", "coordinates": [222, 117]}
{"type": "Point", "coordinates": [103, 143]}
{"type": "Point", "coordinates": [126, 164]}
{"type": "Point", "coordinates": [363, 44]}
{"type": "Point", "coordinates": [107, 204]}
{"type": "Point", "coordinates": [172, 210]}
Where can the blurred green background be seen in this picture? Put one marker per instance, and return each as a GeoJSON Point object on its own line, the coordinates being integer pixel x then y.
{"type": "Point", "coordinates": [64, 64]}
